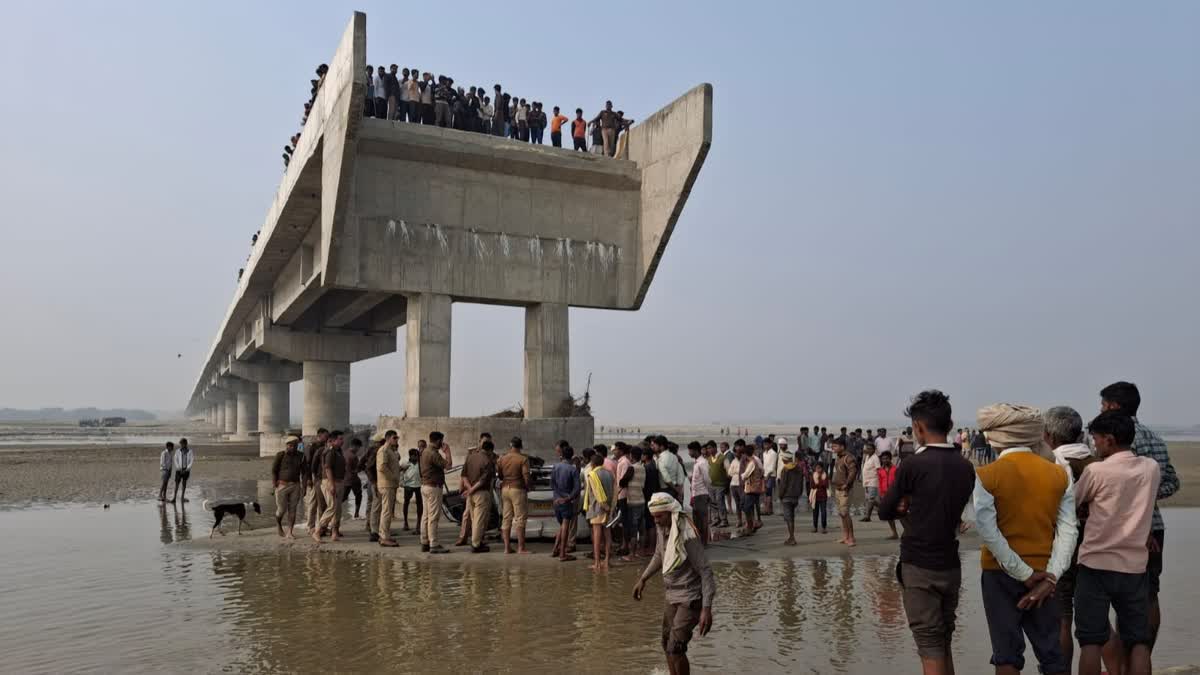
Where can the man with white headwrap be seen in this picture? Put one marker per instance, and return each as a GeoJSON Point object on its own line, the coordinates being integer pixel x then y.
{"type": "Point", "coordinates": [688, 583]}
{"type": "Point", "coordinates": [1025, 513]}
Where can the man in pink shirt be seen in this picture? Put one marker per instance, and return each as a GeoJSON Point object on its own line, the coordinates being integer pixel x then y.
{"type": "Point", "coordinates": [1119, 493]}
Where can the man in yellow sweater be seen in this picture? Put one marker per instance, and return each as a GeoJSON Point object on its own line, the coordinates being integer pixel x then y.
{"type": "Point", "coordinates": [1025, 513]}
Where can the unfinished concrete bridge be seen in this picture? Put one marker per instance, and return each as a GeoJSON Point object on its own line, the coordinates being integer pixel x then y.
{"type": "Point", "coordinates": [380, 225]}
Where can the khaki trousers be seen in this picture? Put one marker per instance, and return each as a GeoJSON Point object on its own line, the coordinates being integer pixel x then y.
{"type": "Point", "coordinates": [481, 507]}
{"type": "Point", "coordinates": [331, 490]}
{"type": "Point", "coordinates": [464, 530]}
{"type": "Point", "coordinates": [432, 498]}
{"type": "Point", "coordinates": [314, 504]}
{"type": "Point", "coordinates": [373, 509]}
{"type": "Point", "coordinates": [287, 501]}
{"type": "Point", "coordinates": [515, 502]}
{"type": "Point", "coordinates": [387, 510]}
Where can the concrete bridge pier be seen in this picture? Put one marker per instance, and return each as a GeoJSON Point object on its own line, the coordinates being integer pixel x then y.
{"type": "Point", "coordinates": [323, 360]}
{"type": "Point", "coordinates": [230, 418]}
{"type": "Point", "coordinates": [427, 356]}
{"type": "Point", "coordinates": [272, 402]}
{"type": "Point", "coordinates": [326, 395]}
{"type": "Point", "coordinates": [247, 407]}
{"type": "Point", "coordinates": [547, 360]}
{"type": "Point", "coordinates": [219, 413]}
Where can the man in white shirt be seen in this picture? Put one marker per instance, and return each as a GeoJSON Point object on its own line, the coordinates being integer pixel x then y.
{"type": "Point", "coordinates": [701, 489]}
{"type": "Point", "coordinates": [166, 459]}
{"type": "Point", "coordinates": [884, 444]}
{"type": "Point", "coordinates": [771, 469]}
{"type": "Point", "coordinates": [380, 97]}
{"type": "Point", "coordinates": [183, 461]}
{"type": "Point", "coordinates": [733, 466]}
{"type": "Point", "coordinates": [670, 469]}
{"type": "Point", "coordinates": [870, 478]}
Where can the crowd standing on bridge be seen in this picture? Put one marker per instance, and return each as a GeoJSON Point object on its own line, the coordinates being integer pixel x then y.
{"type": "Point", "coordinates": [409, 95]}
{"type": "Point", "coordinates": [1069, 520]}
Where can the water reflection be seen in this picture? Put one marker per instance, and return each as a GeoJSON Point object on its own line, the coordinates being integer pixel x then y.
{"type": "Point", "coordinates": [130, 603]}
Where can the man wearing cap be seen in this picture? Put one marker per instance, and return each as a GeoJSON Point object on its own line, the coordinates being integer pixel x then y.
{"type": "Point", "coordinates": [387, 468]}
{"type": "Point", "coordinates": [689, 586]}
{"type": "Point", "coordinates": [333, 475]}
{"type": "Point", "coordinates": [791, 489]}
{"type": "Point", "coordinates": [513, 468]}
{"type": "Point", "coordinates": [478, 475]}
{"type": "Point", "coordinates": [286, 473]}
{"type": "Point", "coordinates": [434, 460]}
{"type": "Point", "coordinates": [1025, 513]}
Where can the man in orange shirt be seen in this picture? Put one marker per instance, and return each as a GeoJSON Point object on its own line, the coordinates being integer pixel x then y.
{"type": "Point", "coordinates": [556, 123]}
{"type": "Point", "coordinates": [578, 131]}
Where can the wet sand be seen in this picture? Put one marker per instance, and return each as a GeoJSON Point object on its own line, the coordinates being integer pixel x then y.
{"type": "Point", "coordinates": [107, 474]}
{"type": "Point", "coordinates": [766, 544]}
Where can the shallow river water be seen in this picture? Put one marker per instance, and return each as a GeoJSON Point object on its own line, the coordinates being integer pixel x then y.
{"type": "Point", "coordinates": [86, 589]}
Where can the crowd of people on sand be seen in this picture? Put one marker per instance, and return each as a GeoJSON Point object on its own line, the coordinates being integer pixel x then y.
{"type": "Point", "coordinates": [409, 95]}
{"type": "Point", "coordinates": [1067, 514]}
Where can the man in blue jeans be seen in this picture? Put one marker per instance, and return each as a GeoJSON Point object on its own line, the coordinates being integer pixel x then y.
{"type": "Point", "coordinates": [564, 482]}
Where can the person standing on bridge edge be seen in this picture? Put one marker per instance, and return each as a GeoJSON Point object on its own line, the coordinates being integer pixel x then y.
{"type": "Point", "coordinates": [556, 123]}
{"type": "Point", "coordinates": [689, 586]}
{"type": "Point", "coordinates": [932, 489]}
{"type": "Point", "coordinates": [607, 122]}
{"type": "Point", "coordinates": [379, 88]}
{"type": "Point", "coordinates": [579, 131]}
{"type": "Point", "coordinates": [314, 500]}
{"type": "Point", "coordinates": [434, 460]}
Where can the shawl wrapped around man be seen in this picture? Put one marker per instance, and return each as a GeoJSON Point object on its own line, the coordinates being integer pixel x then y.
{"type": "Point", "coordinates": [681, 530]}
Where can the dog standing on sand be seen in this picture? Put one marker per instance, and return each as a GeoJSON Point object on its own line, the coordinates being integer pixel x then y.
{"type": "Point", "coordinates": [222, 509]}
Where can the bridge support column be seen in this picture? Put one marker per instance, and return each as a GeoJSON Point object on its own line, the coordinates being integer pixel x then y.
{"type": "Point", "coordinates": [230, 418]}
{"type": "Point", "coordinates": [274, 404]}
{"type": "Point", "coordinates": [427, 356]}
{"type": "Point", "coordinates": [247, 410]}
{"type": "Point", "coordinates": [219, 415]}
{"type": "Point", "coordinates": [326, 395]}
{"type": "Point", "coordinates": [547, 360]}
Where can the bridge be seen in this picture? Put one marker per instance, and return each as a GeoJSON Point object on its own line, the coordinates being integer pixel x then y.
{"type": "Point", "coordinates": [379, 226]}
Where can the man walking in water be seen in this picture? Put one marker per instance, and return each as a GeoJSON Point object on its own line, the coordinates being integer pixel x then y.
{"type": "Point", "coordinates": [932, 488]}
{"type": "Point", "coordinates": [688, 583]}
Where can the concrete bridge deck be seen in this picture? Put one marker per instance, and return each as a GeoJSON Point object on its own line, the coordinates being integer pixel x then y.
{"type": "Point", "coordinates": [378, 225]}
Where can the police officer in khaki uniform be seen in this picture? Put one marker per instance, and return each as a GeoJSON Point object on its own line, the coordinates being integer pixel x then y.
{"type": "Point", "coordinates": [387, 468]}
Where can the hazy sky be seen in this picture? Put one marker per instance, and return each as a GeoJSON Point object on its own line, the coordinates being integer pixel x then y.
{"type": "Point", "coordinates": [998, 199]}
